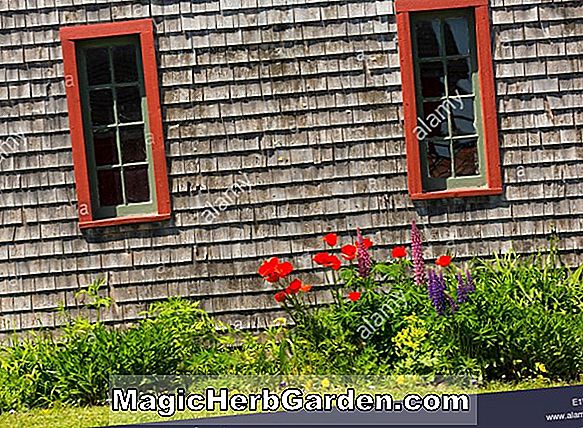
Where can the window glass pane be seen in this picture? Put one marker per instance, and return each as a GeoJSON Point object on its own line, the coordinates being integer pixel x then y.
{"type": "Point", "coordinates": [133, 147]}
{"type": "Point", "coordinates": [101, 106]}
{"type": "Point", "coordinates": [129, 104]}
{"type": "Point", "coordinates": [439, 159]}
{"type": "Point", "coordinates": [98, 72]}
{"type": "Point", "coordinates": [136, 184]}
{"type": "Point", "coordinates": [109, 183]}
{"type": "Point", "coordinates": [432, 79]}
{"type": "Point", "coordinates": [466, 157]}
{"type": "Point", "coordinates": [463, 116]}
{"type": "Point", "coordinates": [459, 78]}
{"type": "Point", "coordinates": [428, 38]}
{"type": "Point", "coordinates": [105, 147]}
{"type": "Point", "coordinates": [457, 38]}
{"type": "Point", "coordinates": [124, 64]}
{"type": "Point", "coordinates": [435, 119]}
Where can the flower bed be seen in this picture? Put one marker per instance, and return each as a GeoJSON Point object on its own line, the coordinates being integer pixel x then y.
{"type": "Point", "coordinates": [505, 318]}
{"type": "Point", "coordinates": [500, 318]}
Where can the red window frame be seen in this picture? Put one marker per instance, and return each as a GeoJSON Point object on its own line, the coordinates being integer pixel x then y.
{"type": "Point", "coordinates": [69, 37]}
{"type": "Point", "coordinates": [404, 8]}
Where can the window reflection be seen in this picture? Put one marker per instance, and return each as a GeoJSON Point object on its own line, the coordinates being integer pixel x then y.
{"type": "Point", "coordinates": [459, 77]}
{"type": "Point", "coordinates": [432, 79]}
{"type": "Point", "coordinates": [466, 157]}
{"type": "Point", "coordinates": [463, 117]}
{"type": "Point", "coordinates": [428, 38]}
{"type": "Point", "coordinates": [439, 157]}
{"type": "Point", "coordinates": [457, 38]}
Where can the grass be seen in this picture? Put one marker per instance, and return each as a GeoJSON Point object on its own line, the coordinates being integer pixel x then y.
{"type": "Point", "coordinates": [61, 416]}
{"type": "Point", "coordinates": [58, 416]}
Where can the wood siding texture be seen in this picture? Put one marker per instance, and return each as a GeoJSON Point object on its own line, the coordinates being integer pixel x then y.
{"type": "Point", "coordinates": [302, 99]}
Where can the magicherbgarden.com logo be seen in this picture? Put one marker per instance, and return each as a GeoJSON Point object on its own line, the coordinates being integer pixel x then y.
{"type": "Point", "coordinates": [290, 400]}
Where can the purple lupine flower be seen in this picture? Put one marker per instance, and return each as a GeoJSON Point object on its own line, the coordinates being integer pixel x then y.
{"type": "Point", "coordinates": [436, 291]}
{"type": "Point", "coordinates": [464, 287]}
{"type": "Point", "coordinates": [452, 304]}
{"type": "Point", "coordinates": [417, 255]}
{"type": "Point", "coordinates": [470, 281]}
{"type": "Point", "coordinates": [363, 256]}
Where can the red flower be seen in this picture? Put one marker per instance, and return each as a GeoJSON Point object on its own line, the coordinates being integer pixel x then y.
{"type": "Point", "coordinates": [294, 287]}
{"type": "Point", "coordinates": [443, 261]}
{"type": "Point", "coordinates": [366, 243]}
{"type": "Point", "coordinates": [327, 260]}
{"type": "Point", "coordinates": [268, 270]}
{"type": "Point", "coordinates": [399, 252]}
{"type": "Point", "coordinates": [321, 258]}
{"type": "Point", "coordinates": [305, 288]}
{"type": "Point", "coordinates": [272, 270]}
{"type": "Point", "coordinates": [331, 239]}
{"type": "Point", "coordinates": [284, 269]}
{"type": "Point", "coordinates": [280, 297]}
{"type": "Point", "coordinates": [348, 252]}
{"type": "Point", "coordinates": [354, 295]}
{"type": "Point", "coordinates": [268, 266]}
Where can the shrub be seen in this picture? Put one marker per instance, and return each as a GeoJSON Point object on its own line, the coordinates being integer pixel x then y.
{"type": "Point", "coordinates": [525, 319]}
{"type": "Point", "coordinates": [75, 368]}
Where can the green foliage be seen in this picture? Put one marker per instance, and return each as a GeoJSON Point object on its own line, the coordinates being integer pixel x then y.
{"type": "Point", "coordinates": [171, 332]}
{"type": "Point", "coordinates": [75, 368]}
{"type": "Point", "coordinates": [415, 353]}
{"type": "Point", "coordinates": [96, 300]}
{"type": "Point", "coordinates": [238, 352]}
{"type": "Point", "coordinates": [525, 319]}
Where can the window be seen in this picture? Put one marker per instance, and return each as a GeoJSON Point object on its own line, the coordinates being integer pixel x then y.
{"type": "Point", "coordinates": [116, 126]}
{"type": "Point", "coordinates": [449, 102]}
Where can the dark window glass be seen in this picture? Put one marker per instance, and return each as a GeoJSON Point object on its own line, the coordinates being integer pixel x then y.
{"type": "Point", "coordinates": [129, 104]}
{"type": "Point", "coordinates": [105, 146]}
{"type": "Point", "coordinates": [101, 106]}
{"type": "Point", "coordinates": [445, 65]}
{"type": "Point", "coordinates": [459, 78]}
{"type": "Point", "coordinates": [98, 66]}
{"type": "Point", "coordinates": [428, 38]}
{"type": "Point", "coordinates": [435, 119]}
{"type": "Point", "coordinates": [110, 191]}
{"type": "Point", "coordinates": [457, 38]}
{"type": "Point", "coordinates": [432, 79]}
{"type": "Point", "coordinates": [124, 64]}
{"type": "Point", "coordinates": [133, 147]}
{"type": "Point", "coordinates": [439, 157]}
{"type": "Point", "coordinates": [136, 183]}
{"type": "Point", "coordinates": [466, 157]}
{"type": "Point", "coordinates": [122, 169]}
{"type": "Point", "coordinates": [463, 116]}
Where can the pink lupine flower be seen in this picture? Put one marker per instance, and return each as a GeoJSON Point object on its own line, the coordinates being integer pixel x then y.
{"type": "Point", "coordinates": [417, 255]}
{"type": "Point", "coordinates": [363, 256]}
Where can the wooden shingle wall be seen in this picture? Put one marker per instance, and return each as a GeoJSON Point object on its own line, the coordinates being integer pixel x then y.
{"type": "Point", "coordinates": [299, 102]}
